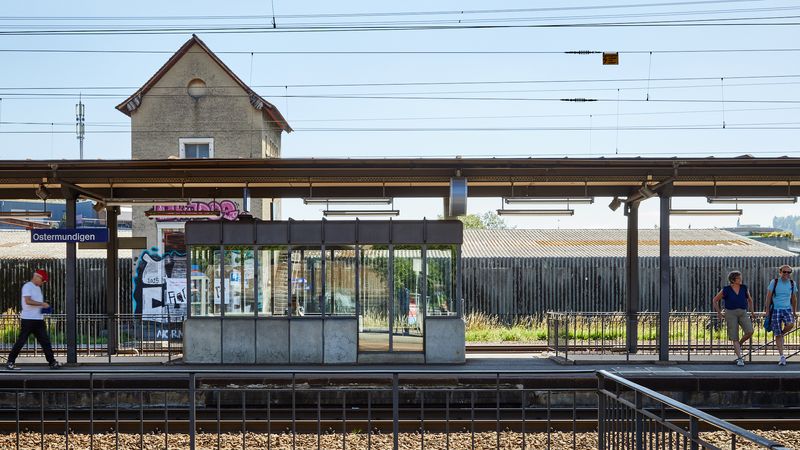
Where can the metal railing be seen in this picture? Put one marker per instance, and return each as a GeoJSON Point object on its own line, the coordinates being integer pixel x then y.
{"type": "Point", "coordinates": [296, 409]}
{"type": "Point", "coordinates": [691, 334]}
{"type": "Point", "coordinates": [137, 335]}
{"type": "Point", "coordinates": [633, 416]}
{"type": "Point", "coordinates": [332, 409]}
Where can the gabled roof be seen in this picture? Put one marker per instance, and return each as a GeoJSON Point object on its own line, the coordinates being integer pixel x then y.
{"type": "Point", "coordinates": [132, 103]}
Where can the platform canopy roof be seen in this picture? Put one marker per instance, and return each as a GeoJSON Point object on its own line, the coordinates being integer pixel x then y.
{"type": "Point", "coordinates": [420, 177]}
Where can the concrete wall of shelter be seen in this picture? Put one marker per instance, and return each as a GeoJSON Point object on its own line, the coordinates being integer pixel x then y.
{"type": "Point", "coordinates": [248, 340]}
{"type": "Point", "coordinates": [272, 340]}
{"type": "Point", "coordinates": [444, 340]}
{"type": "Point", "coordinates": [341, 341]}
{"type": "Point", "coordinates": [201, 340]}
{"type": "Point", "coordinates": [238, 340]}
{"type": "Point", "coordinates": [306, 341]}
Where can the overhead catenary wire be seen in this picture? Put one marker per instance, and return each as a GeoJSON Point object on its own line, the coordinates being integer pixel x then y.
{"type": "Point", "coordinates": [400, 52]}
{"type": "Point", "coordinates": [761, 21]}
{"type": "Point", "coordinates": [427, 83]}
{"type": "Point", "coordinates": [429, 118]}
{"type": "Point", "coordinates": [714, 126]}
{"type": "Point", "coordinates": [388, 13]}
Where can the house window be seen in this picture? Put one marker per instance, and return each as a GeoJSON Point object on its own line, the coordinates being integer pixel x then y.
{"type": "Point", "coordinates": [192, 148]}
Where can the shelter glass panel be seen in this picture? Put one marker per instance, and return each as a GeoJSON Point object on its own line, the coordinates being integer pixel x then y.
{"type": "Point", "coordinates": [273, 281]}
{"type": "Point", "coordinates": [206, 293]}
{"type": "Point", "coordinates": [306, 281]}
{"type": "Point", "coordinates": [340, 280]}
{"type": "Point", "coordinates": [441, 268]}
{"type": "Point", "coordinates": [408, 294]}
{"type": "Point", "coordinates": [239, 280]}
{"type": "Point", "coordinates": [374, 299]}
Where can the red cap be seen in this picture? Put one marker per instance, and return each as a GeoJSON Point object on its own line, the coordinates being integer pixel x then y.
{"type": "Point", "coordinates": [42, 273]}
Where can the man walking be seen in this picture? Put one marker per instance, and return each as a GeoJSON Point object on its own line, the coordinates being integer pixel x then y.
{"type": "Point", "coordinates": [32, 321]}
{"type": "Point", "coordinates": [782, 296]}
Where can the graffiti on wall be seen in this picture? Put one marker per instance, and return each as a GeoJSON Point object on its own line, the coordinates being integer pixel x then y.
{"type": "Point", "coordinates": [228, 209]}
{"type": "Point", "coordinates": [159, 286]}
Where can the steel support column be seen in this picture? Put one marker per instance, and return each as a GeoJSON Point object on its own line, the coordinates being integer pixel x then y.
{"type": "Point", "coordinates": [632, 276]}
{"type": "Point", "coordinates": [70, 280]}
{"type": "Point", "coordinates": [112, 274]}
{"type": "Point", "coordinates": [665, 272]}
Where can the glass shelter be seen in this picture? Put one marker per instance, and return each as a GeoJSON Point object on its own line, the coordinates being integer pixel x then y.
{"type": "Point", "coordinates": [285, 292]}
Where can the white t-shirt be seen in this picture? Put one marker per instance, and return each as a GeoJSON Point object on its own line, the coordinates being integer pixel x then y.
{"type": "Point", "coordinates": [35, 293]}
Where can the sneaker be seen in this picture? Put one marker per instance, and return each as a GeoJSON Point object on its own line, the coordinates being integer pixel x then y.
{"type": "Point", "coordinates": [55, 365]}
{"type": "Point", "coordinates": [11, 366]}
{"type": "Point", "coordinates": [740, 362]}
{"type": "Point", "coordinates": [782, 361]}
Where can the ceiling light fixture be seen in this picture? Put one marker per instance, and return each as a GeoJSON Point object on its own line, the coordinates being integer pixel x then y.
{"type": "Point", "coordinates": [146, 201]}
{"type": "Point", "coordinates": [705, 212]}
{"type": "Point", "coordinates": [348, 201]}
{"type": "Point", "coordinates": [736, 200]}
{"type": "Point", "coordinates": [615, 204]}
{"type": "Point", "coordinates": [182, 214]}
{"type": "Point", "coordinates": [647, 192]}
{"type": "Point", "coordinates": [568, 200]}
{"type": "Point", "coordinates": [535, 212]}
{"type": "Point", "coordinates": [361, 212]}
{"type": "Point", "coordinates": [42, 192]}
{"type": "Point", "coordinates": [26, 214]}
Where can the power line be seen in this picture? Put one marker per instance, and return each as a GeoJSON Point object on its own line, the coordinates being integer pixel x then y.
{"type": "Point", "coordinates": [714, 22]}
{"type": "Point", "coordinates": [583, 89]}
{"type": "Point", "coordinates": [430, 118]}
{"type": "Point", "coordinates": [403, 52]}
{"type": "Point", "coordinates": [426, 83]}
{"type": "Point", "coordinates": [460, 19]}
{"type": "Point", "coordinates": [382, 14]}
{"type": "Point", "coordinates": [770, 126]}
{"type": "Point", "coordinates": [51, 96]}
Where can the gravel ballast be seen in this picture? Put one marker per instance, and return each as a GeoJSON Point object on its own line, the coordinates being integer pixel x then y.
{"type": "Point", "coordinates": [408, 441]}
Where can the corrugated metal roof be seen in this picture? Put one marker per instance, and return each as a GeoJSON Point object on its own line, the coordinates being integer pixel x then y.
{"type": "Point", "coordinates": [588, 243]}
{"type": "Point", "coordinates": [16, 244]}
{"type": "Point", "coordinates": [515, 243]}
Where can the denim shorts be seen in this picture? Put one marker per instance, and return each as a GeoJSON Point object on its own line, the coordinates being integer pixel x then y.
{"type": "Point", "coordinates": [779, 318]}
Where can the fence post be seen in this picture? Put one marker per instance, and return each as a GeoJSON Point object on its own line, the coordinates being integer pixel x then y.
{"type": "Point", "coordinates": [395, 413]}
{"type": "Point", "coordinates": [639, 430]}
{"type": "Point", "coordinates": [192, 411]}
{"type": "Point", "coordinates": [601, 412]}
{"type": "Point", "coordinates": [694, 431]}
{"type": "Point", "coordinates": [689, 337]}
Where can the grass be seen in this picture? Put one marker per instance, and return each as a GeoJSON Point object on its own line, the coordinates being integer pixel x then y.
{"type": "Point", "coordinates": [530, 329]}
{"type": "Point", "coordinates": [484, 328]}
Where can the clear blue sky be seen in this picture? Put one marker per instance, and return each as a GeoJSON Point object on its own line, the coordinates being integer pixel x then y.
{"type": "Point", "coordinates": [71, 71]}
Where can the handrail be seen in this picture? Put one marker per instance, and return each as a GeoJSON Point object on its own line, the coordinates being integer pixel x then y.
{"type": "Point", "coordinates": [772, 342]}
{"type": "Point", "coordinates": [690, 411]}
{"type": "Point", "coordinates": [344, 370]}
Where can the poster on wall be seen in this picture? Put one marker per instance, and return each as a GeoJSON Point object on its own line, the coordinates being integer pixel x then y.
{"type": "Point", "coordinates": [159, 286]}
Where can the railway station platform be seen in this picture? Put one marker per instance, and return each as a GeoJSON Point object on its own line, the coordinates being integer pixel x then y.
{"type": "Point", "coordinates": [700, 366]}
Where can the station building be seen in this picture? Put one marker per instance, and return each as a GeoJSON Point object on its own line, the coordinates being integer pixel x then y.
{"type": "Point", "coordinates": [194, 106]}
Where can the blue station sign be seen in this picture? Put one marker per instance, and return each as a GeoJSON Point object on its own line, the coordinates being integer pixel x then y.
{"type": "Point", "coordinates": [69, 235]}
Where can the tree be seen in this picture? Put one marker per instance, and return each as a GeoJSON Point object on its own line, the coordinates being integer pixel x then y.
{"type": "Point", "coordinates": [787, 223]}
{"type": "Point", "coordinates": [485, 221]}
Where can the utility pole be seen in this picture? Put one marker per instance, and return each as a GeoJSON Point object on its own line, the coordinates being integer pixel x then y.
{"type": "Point", "coordinates": [80, 127]}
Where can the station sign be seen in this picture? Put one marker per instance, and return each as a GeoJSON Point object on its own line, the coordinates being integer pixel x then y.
{"type": "Point", "coordinates": [69, 235]}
